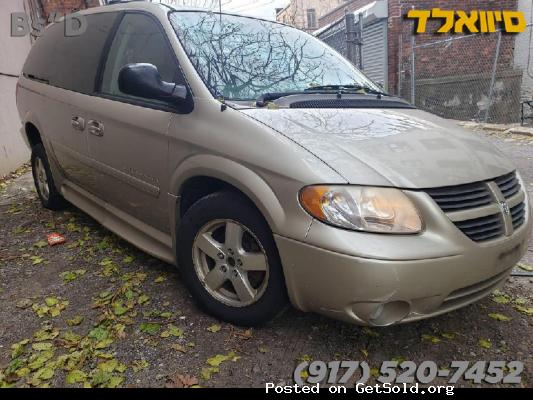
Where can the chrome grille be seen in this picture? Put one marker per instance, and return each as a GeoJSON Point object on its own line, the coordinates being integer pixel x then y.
{"type": "Point", "coordinates": [481, 229]}
{"type": "Point", "coordinates": [518, 213]}
{"type": "Point", "coordinates": [508, 184]}
{"type": "Point", "coordinates": [461, 202]}
{"type": "Point", "coordinates": [463, 197]}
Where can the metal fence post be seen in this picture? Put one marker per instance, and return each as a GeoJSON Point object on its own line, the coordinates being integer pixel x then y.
{"type": "Point", "coordinates": [494, 71]}
{"type": "Point", "coordinates": [413, 70]}
{"type": "Point", "coordinates": [350, 37]}
{"type": "Point", "coordinates": [360, 41]}
{"type": "Point", "coordinates": [400, 63]}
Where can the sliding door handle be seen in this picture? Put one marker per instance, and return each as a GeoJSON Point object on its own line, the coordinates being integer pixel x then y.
{"type": "Point", "coordinates": [78, 123]}
{"type": "Point", "coordinates": [96, 128]}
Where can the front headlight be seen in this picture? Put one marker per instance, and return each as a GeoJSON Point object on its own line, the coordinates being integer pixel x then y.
{"type": "Point", "coordinates": [369, 209]}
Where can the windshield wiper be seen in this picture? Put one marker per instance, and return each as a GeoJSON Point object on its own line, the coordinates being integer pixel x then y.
{"type": "Point", "coordinates": [346, 89]}
{"type": "Point", "coordinates": [266, 98]}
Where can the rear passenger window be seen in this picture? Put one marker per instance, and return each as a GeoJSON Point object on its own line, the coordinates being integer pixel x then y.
{"type": "Point", "coordinates": [139, 39]}
{"type": "Point", "coordinates": [70, 62]}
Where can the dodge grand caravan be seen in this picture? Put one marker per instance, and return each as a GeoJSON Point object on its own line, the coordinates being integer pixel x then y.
{"type": "Point", "coordinates": [267, 168]}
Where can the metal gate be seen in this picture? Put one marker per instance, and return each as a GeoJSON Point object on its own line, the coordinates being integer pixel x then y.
{"type": "Point", "coordinates": [372, 46]}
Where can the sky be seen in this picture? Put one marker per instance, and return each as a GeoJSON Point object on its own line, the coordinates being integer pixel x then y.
{"type": "Point", "coordinates": [257, 8]}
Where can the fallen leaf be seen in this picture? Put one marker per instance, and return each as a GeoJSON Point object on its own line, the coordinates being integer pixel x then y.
{"type": "Point", "coordinates": [138, 365]}
{"type": "Point", "coordinates": [431, 339]}
{"type": "Point", "coordinates": [18, 348]}
{"type": "Point", "coordinates": [181, 381]}
{"type": "Point", "coordinates": [214, 328]}
{"type": "Point", "coordinates": [77, 320]}
{"type": "Point", "coordinates": [41, 346]}
{"type": "Point", "coordinates": [524, 310]}
{"type": "Point", "coordinates": [500, 297]}
{"type": "Point", "coordinates": [68, 276]}
{"type": "Point", "coordinates": [44, 374]}
{"type": "Point", "coordinates": [24, 303]}
{"type": "Point", "coordinates": [36, 260]}
{"type": "Point", "coordinates": [217, 360]}
{"type": "Point", "coordinates": [220, 358]}
{"type": "Point", "coordinates": [99, 333]}
{"type": "Point", "coordinates": [75, 376]}
{"type": "Point", "coordinates": [521, 301]}
{"type": "Point", "coordinates": [143, 299]}
{"type": "Point", "coordinates": [262, 349]}
{"type": "Point", "coordinates": [206, 373]}
{"type": "Point", "coordinates": [448, 335]}
{"type": "Point", "coordinates": [108, 366]}
{"type": "Point", "coordinates": [51, 301]}
{"type": "Point", "coordinates": [160, 279]}
{"type": "Point", "coordinates": [175, 331]}
{"type": "Point", "coordinates": [150, 328]}
{"type": "Point", "coordinates": [179, 347]}
{"type": "Point", "coordinates": [247, 334]}
{"type": "Point", "coordinates": [119, 309]}
{"type": "Point", "coordinates": [485, 343]}
{"type": "Point", "coordinates": [526, 267]}
{"type": "Point", "coordinates": [40, 244]}
{"type": "Point", "coordinates": [499, 317]}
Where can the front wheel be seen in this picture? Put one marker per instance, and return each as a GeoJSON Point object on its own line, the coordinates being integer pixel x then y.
{"type": "Point", "coordinates": [229, 260]}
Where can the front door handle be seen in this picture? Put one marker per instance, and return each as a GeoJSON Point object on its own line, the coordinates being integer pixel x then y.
{"type": "Point", "coordinates": [96, 128]}
{"type": "Point", "coordinates": [78, 123]}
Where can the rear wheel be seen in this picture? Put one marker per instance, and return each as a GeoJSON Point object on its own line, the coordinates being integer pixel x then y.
{"type": "Point", "coordinates": [44, 181]}
{"type": "Point", "coordinates": [230, 261]}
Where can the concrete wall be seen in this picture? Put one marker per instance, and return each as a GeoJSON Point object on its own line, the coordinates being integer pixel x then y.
{"type": "Point", "coordinates": [13, 51]}
{"type": "Point", "coordinates": [524, 50]}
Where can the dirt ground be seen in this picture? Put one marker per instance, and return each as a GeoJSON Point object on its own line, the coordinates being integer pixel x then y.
{"type": "Point", "coordinates": [97, 312]}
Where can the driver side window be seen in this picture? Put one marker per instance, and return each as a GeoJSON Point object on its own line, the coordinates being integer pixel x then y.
{"type": "Point", "coordinates": [139, 40]}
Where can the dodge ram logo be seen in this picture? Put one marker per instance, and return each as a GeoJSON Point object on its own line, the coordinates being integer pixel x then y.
{"type": "Point", "coordinates": [505, 208]}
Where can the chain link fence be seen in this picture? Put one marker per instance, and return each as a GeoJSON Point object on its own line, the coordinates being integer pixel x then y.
{"type": "Point", "coordinates": [484, 77]}
{"type": "Point", "coordinates": [468, 77]}
{"type": "Point", "coordinates": [336, 37]}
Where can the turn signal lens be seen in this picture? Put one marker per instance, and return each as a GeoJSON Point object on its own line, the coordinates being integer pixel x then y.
{"type": "Point", "coordinates": [381, 210]}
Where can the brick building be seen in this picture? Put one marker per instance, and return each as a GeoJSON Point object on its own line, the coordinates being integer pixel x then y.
{"type": "Point", "coordinates": [399, 32]}
{"type": "Point", "coordinates": [43, 8]}
{"type": "Point", "coordinates": [461, 76]}
{"type": "Point", "coordinates": [305, 14]}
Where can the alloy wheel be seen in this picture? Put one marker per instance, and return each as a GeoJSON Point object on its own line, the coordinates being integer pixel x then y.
{"type": "Point", "coordinates": [41, 179]}
{"type": "Point", "coordinates": [231, 263]}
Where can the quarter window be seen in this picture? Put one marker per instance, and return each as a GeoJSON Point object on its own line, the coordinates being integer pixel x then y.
{"type": "Point", "coordinates": [70, 62]}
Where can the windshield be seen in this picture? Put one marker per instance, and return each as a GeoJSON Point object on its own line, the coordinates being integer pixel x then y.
{"type": "Point", "coordinates": [241, 58]}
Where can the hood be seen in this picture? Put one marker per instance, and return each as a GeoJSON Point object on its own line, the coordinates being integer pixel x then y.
{"type": "Point", "coordinates": [405, 148]}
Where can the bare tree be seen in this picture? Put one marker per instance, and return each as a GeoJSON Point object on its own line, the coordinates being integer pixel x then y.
{"type": "Point", "coordinates": [239, 62]}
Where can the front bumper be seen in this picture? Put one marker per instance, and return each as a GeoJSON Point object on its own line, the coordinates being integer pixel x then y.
{"type": "Point", "coordinates": [385, 290]}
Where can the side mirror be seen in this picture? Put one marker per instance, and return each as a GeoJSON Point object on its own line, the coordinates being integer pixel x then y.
{"type": "Point", "coordinates": [143, 80]}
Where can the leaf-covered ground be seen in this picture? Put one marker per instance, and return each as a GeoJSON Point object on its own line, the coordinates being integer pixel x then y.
{"type": "Point", "coordinates": [97, 312]}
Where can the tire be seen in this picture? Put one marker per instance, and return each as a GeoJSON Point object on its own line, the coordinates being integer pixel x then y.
{"type": "Point", "coordinates": [44, 181]}
{"type": "Point", "coordinates": [263, 294]}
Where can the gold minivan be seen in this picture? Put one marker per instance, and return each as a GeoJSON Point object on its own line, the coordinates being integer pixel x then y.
{"type": "Point", "coordinates": [267, 167]}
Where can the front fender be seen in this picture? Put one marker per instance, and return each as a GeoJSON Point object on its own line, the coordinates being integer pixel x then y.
{"type": "Point", "coordinates": [237, 175]}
